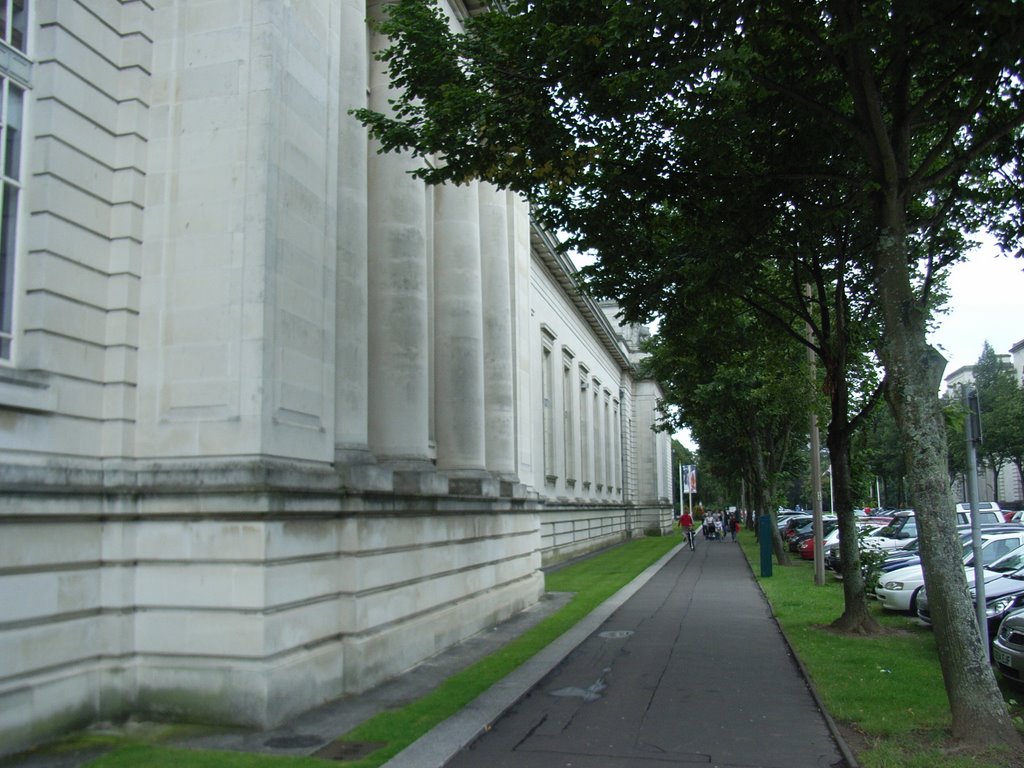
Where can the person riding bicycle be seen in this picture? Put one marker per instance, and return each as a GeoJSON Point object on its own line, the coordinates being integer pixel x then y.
{"type": "Point", "coordinates": [686, 523]}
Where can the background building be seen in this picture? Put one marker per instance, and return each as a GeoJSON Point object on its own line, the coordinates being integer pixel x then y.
{"type": "Point", "coordinates": [1010, 488]}
{"type": "Point", "coordinates": [277, 422]}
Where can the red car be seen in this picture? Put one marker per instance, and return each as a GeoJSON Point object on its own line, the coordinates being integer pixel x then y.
{"type": "Point", "coordinates": [807, 549]}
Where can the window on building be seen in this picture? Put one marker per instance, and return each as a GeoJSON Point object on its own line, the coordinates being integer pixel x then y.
{"type": "Point", "coordinates": [13, 26]}
{"type": "Point", "coordinates": [598, 453]}
{"type": "Point", "coordinates": [608, 451]}
{"type": "Point", "coordinates": [585, 474]}
{"type": "Point", "coordinates": [547, 380]}
{"type": "Point", "coordinates": [569, 416]}
{"type": "Point", "coordinates": [14, 22]}
{"type": "Point", "coordinates": [617, 445]}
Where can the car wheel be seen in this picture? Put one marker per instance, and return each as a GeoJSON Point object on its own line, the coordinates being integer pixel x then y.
{"type": "Point", "coordinates": [913, 601]}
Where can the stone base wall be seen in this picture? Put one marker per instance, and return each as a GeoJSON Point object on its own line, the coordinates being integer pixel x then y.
{"type": "Point", "coordinates": [239, 605]}
{"type": "Point", "coordinates": [574, 530]}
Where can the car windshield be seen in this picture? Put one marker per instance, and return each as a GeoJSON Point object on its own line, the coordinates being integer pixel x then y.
{"type": "Point", "coordinates": [994, 550]}
{"type": "Point", "coordinates": [1014, 561]}
{"type": "Point", "coordinates": [903, 527]}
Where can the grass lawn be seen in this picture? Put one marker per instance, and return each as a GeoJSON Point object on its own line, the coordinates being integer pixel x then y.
{"type": "Point", "coordinates": [885, 692]}
{"type": "Point", "coordinates": [592, 580]}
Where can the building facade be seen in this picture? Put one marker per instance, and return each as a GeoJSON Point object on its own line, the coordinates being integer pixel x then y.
{"type": "Point", "coordinates": [277, 422]}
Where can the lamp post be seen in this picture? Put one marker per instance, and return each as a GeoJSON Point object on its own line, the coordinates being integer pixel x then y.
{"type": "Point", "coordinates": [974, 438]}
{"type": "Point", "coordinates": [831, 495]}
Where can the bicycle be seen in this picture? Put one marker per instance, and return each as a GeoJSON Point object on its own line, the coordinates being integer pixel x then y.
{"type": "Point", "coordinates": [691, 539]}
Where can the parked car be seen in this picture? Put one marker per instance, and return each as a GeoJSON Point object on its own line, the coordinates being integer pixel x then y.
{"type": "Point", "coordinates": [805, 532]}
{"type": "Point", "coordinates": [794, 538]}
{"type": "Point", "coordinates": [793, 528]}
{"type": "Point", "coordinates": [899, 589]}
{"type": "Point", "coordinates": [1008, 647]}
{"type": "Point", "coordinates": [902, 557]}
{"type": "Point", "coordinates": [831, 549]}
{"type": "Point", "coordinates": [903, 528]}
{"type": "Point", "coordinates": [792, 522]}
{"type": "Point", "coordinates": [983, 506]}
{"type": "Point", "coordinates": [1003, 593]}
{"type": "Point", "coordinates": [785, 515]}
{"type": "Point", "coordinates": [896, 534]}
{"type": "Point", "coordinates": [909, 554]}
{"type": "Point", "coordinates": [805, 542]}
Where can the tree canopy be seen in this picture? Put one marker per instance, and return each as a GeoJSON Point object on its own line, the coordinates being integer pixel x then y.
{"type": "Point", "coordinates": [672, 132]}
{"type": "Point", "coordinates": [740, 387]}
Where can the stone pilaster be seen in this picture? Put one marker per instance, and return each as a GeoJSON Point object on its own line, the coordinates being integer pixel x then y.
{"type": "Point", "coordinates": [499, 409]}
{"type": "Point", "coordinates": [458, 329]}
{"type": "Point", "coordinates": [398, 362]}
{"type": "Point", "coordinates": [352, 311]}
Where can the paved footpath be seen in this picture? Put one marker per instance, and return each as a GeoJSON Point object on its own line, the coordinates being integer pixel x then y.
{"type": "Point", "coordinates": [690, 670]}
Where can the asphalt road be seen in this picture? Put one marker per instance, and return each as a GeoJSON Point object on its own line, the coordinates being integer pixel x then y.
{"type": "Point", "coordinates": [690, 670]}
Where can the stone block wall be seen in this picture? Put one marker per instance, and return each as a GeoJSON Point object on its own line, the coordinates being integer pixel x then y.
{"type": "Point", "coordinates": [255, 609]}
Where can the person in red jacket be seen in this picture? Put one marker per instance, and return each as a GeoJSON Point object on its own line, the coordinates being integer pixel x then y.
{"type": "Point", "coordinates": [686, 523]}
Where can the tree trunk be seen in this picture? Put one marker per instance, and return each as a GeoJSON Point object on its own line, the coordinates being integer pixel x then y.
{"type": "Point", "coordinates": [856, 616]}
{"type": "Point", "coordinates": [976, 704]}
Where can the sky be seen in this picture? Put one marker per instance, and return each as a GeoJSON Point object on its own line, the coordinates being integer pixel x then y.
{"type": "Point", "coordinates": [987, 304]}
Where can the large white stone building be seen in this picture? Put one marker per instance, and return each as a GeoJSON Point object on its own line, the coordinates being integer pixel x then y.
{"type": "Point", "coordinates": [277, 422]}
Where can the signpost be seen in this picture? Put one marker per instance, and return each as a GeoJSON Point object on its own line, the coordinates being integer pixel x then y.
{"type": "Point", "coordinates": [973, 440]}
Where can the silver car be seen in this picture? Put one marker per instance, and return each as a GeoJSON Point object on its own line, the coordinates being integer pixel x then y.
{"type": "Point", "coordinates": [1008, 647]}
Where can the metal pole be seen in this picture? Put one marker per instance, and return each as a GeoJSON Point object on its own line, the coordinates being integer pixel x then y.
{"type": "Point", "coordinates": [819, 530]}
{"type": "Point", "coordinates": [831, 495]}
{"type": "Point", "coordinates": [682, 503]}
{"type": "Point", "coordinates": [973, 438]}
{"type": "Point", "coordinates": [689, 486]}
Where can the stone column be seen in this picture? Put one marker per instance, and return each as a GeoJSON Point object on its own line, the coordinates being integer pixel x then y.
{"type": "Point", "coordinates": [398, 362]}
{"type": "Point", "coordinates": [499, 413]}
{"type": "Point", "coordinates": [458, 329]}
{"type": "Point", "coordinates": [351, 326]}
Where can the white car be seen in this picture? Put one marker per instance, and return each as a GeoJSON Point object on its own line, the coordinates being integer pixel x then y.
{"type": "Point", "coordinates": [896, 534]}
{"type": "Point", "coordinates": [831, 547]}
{"type": "Point", "coordinates": [899, 589]}
{"type": "Point", "coordinates": [983, 506]}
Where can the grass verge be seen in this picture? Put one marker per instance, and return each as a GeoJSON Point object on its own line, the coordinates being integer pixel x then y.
{"type": "Point", "coordinates": [593, 581]}
{"type": "Point", "coordinates": [885, 692]}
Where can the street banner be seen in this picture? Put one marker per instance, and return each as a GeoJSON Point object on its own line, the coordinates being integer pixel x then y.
{"type": "Point", "coordinates": [690, 478]}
